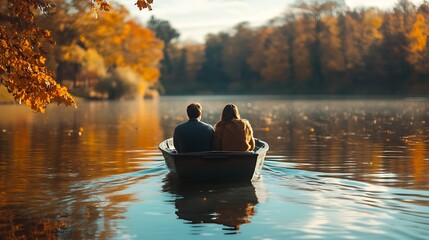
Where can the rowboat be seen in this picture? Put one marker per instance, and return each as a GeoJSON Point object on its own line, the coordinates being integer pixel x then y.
{"type": "Point", "coordinates": [215, 165]}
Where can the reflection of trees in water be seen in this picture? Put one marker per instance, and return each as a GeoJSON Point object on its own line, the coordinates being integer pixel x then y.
{"type": "Point", "coordinates": [16, 226]}
{"type": "Point", "coordinates": [360, 139]}
{"type": "Point", "coordinates": [229, 204]}
{"type": "Point", "coordinates": [55, 168]}
{"type": "Point", "coordinates": [83, 216]}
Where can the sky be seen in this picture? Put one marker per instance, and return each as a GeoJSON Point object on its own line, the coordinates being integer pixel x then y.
{"type": "Point", "coordinates": [196, 18]}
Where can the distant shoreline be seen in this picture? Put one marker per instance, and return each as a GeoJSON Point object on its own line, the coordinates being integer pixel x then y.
{"type": "Point", "coordinates": [270, 96]}
{"type": "Point", "coordinates": [303, 96]}
{"type": "Point", "coordinates": [4, 102]}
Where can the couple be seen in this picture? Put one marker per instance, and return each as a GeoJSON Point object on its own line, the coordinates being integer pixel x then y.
{"type": "Point", "coordinates": [231, 133]}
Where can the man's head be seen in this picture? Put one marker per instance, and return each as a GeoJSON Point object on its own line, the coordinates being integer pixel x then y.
{"type": "Point", "coordinates": [194, 110]}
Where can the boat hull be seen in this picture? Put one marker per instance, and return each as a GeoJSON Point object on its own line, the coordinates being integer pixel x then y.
{"type": "Point", "coordinates": [214, 165]}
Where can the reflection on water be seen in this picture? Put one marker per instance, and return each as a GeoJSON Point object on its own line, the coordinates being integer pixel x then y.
{"type": "Point", "coordinates": [379, 141]}
{"type": "Point", "coordinates": [335, 169]}
{"type": "Point", "coordinates": [229, 204]}
{"type": "Point", "coordinates": [51, 166]}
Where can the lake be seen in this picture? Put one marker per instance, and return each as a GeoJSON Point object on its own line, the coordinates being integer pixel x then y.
{"type": "Point", "coordinates": [336, 169]}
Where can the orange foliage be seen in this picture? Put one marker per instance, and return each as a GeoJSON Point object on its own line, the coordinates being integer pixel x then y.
{"type": "Point", "coordinates": [141, 4]}
{"type": "Point", "coordinates": [277, 67]}
{"type": "Point", "coordinates": [259, 42]}
{"type": "Point", "coordinates": [332, 59]}
{"type": "Point", "coordinates": [127, 44]}
{"type": "Point", "coordinates": [302, 55]}
{"type": "Point", "coordinates": [418, 44]}
{"type": "Point", "coordinates": [142, 51]}
{"type": "Point", "coordinates": [22, 62]}
{"type": "Point", "coordinates": [418, 34]}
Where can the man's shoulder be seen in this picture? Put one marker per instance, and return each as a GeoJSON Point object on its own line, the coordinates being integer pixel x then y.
{"type": "Point", "coordinates": [192, 124]}
{"type": "Point", "coordinates": [206, 124]}
{"type": "Point", "coordinates": [181, 126]}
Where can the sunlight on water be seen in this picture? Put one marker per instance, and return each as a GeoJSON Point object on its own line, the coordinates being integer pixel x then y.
{"type": "Point", "coordinates": [336, 169]}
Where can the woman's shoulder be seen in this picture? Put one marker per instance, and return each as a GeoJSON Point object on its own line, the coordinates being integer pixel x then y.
{"type": "Point", "coordinates": [242, 123]}
{"type": "Point", "coordinates": [243, 120]}
{"type": "Point", "coordinates": [234, 122]}
{"type": "Point", "coordinates": [246, 124]}
{"type": "Point", "coordinates": [219, 124]}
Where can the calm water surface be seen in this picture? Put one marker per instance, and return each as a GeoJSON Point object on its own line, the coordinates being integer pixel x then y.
{"type": "Point", "coordinates": [336, 169]}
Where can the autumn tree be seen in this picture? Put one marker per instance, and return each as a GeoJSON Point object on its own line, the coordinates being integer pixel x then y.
{"type": "Point", "coordinates": [316, 12]}
{"type": "Point", "coordinates": [235, 53]}
{"type": "Point", "coordinates": [22, 64]}
{"type": "Point", "coordinates": [260, 41]}
{"type": "Point", "coordinates": [301, 53]}
{"type": "Point", "coordinates": [277, 57]}
{"type": "Point", "coordinates": [319, 46]}
{"type": "Point", "coordinates": [393, 54]}
{"type": "Point", "coordinates": [70, 59]}
{"type": "Point", "coordinates": [61, 24]}
{"type": "Point", "coordinates": [23, 68]}
{"type": "Point", "coordinates": [126, 45]}
{"type": "Point", "coordinates": [142, 52]}
{"type": "Point", "coordinates": [350, 37]}
{"type": "Point", "coordinates": [332, 61]}
{"type": "Point", "coordinates": [418, 46]}
{"type": "Point", "coordinates": [361, 38]}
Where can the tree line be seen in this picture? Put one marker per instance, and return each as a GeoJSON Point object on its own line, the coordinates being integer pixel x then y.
{"type": "Point", "coordinates": [318, 47]}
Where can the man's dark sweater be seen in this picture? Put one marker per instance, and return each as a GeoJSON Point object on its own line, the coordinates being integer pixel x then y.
{"type": "Point", "coordinates": [193, 136]}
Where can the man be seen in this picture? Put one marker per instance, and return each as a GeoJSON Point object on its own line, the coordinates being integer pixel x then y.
{"type": "Point", "coordinates": [193, 135]}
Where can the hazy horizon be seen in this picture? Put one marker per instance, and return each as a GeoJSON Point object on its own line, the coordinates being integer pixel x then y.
{"type": "Point", "coordinates": [194, 20]}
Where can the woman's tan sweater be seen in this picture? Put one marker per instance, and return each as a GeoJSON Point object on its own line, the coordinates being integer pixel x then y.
{"type": "Point", "coordinates": [234, 135]}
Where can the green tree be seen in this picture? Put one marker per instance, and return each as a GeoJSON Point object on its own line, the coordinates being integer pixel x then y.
{"type": "Point", "coordinates": [194, 59]}
{"type": "Point", "coordinates": [314, 12]}
{"type": "Point", "coordinates": [212, 74]}
{"type": "Point", "coordinates": [168, 34]}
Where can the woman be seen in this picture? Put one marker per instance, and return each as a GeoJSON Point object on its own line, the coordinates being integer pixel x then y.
{"type": "Point", "coordinates": [233, 133]}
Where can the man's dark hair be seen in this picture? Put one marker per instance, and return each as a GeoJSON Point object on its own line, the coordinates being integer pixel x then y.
{"type": "Point", "coordinates": [194, 110]}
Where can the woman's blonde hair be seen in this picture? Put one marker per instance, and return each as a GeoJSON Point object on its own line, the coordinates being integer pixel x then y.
{"type": "Point", "coordinates": [230, 111]}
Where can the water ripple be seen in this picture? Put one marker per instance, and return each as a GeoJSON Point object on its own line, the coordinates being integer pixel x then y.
{"type": "Point", "coordinates": [350, 201]}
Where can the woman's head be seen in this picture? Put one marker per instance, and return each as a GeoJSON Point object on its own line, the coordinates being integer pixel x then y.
{"type": "Point", "coordinates": [230, 111]}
